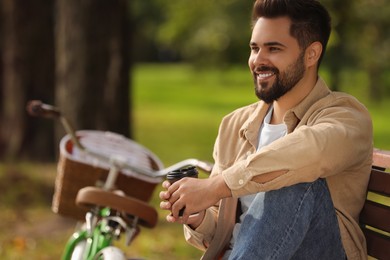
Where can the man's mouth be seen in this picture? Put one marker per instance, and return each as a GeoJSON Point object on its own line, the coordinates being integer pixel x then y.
{"type": "Point", "coordinates": [264, 75]}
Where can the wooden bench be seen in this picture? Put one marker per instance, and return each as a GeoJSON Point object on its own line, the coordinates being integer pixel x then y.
{"type": "Point", "coordinates": [375, 216]}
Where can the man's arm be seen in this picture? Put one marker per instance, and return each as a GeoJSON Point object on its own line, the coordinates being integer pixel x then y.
{"type": "Point", "coordinates": [332, 142]}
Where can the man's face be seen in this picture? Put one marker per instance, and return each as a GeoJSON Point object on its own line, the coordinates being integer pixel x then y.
{"type": "Point", "coordinates": [276, 61]}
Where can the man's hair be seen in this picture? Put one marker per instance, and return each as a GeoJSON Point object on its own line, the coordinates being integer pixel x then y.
{"type": "Point", "coordinates": [310, 21]}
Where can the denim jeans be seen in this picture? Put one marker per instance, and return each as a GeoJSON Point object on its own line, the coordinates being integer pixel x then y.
{"type": "Point", "coordinates": [296, 222]}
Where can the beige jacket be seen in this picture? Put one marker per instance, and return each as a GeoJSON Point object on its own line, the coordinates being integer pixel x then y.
{"type": "Point", "coordinates": [329, 136]}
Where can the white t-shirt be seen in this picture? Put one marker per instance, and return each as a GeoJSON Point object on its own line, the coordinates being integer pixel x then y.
{"type": "Point", "coordinates": [267, 134]}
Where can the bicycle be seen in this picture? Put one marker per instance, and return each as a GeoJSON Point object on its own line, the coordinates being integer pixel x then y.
{"type": "Point", "coordinates": [108, 189]}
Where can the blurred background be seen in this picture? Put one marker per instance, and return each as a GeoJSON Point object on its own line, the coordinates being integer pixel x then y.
{"type": "Point", "coordinates": [160, 72]}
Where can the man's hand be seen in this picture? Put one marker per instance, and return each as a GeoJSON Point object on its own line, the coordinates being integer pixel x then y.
{"type": "Point", "coordinates": [195, 196]}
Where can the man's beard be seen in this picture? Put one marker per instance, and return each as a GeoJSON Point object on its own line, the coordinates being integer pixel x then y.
{"type": "Point", "coordinates": [284, 81]}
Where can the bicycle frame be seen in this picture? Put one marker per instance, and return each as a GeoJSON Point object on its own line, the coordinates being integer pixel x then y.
{"type": "Point", "coordinates": [96, 238]}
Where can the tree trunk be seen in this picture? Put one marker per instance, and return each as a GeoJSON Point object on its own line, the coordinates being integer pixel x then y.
{"type": "Point", "coordinates": [27, 62]}
{"type": "Point", "coordinates": [92, 68]}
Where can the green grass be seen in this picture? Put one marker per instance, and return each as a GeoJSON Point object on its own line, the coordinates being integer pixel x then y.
{"type": "Point", "coordinates": [179, 106]}
{"type": "Point", "coordinates": [176, 110]}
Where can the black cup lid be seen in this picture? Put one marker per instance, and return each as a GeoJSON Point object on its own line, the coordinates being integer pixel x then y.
{"type": "Point", "coordinates": [190, 171]}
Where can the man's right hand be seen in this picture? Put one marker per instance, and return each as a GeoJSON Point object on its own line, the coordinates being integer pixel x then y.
{"type": "Point", "coordinates": [193, 220]}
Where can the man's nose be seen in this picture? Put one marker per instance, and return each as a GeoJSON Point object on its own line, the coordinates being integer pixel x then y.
{"type": "Point", "coordinates": [260, 58]}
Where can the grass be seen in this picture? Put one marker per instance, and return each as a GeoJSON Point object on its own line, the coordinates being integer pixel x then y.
{"type": "Point", "coordinates": [190, 103]}
{"type": "Point", "coordinates": [177, 111]}
{"type": "Point", "coordinates": [177, 106]}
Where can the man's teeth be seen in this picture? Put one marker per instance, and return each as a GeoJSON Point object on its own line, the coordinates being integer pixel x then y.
{"type": "Point", "coordinates": [264, 75]}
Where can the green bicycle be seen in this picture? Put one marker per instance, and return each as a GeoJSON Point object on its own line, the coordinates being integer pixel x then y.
{"type": "Point", "coordinates": [106, 181]}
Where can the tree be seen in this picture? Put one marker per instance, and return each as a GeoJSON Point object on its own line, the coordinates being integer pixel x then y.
{"type": "Point", "coordinates": [371, 43]}
{"type": "Point", "coordinates": [81, 65]}
{"type": "Point", "coordinates": [203, 31]}
{"type": "Point", "coordinates": [92, 68]}
{"type": "Point", "coordinates": [27, 72]}
{"type": "Point", "coordinates": [338, 54]}
{"type": "Point", "coordinates": [360, 41]}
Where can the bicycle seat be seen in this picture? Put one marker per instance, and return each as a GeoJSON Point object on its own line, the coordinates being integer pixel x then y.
{"type": "Point", "coordinates": [89, 197]}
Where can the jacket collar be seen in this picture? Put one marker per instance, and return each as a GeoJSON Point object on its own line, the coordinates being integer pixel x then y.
{"type": "Point", "coordinates": [251, 126]}
{"type": "Point", "coordinates": [319, 91]}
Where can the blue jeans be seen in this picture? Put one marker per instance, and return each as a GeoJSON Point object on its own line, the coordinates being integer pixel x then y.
{"type": "Point", "coordinates": [297, 222]}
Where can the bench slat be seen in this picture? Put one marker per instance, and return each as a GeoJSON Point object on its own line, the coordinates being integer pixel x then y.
{"type": "Point", "coordinates": [376, 215]}
{"type": "Point", "coordinates": [378, 246]}
{"type": "Point", "coordinates": [381, 158]}
{"type": "Point", "coordinates": [379, 182]}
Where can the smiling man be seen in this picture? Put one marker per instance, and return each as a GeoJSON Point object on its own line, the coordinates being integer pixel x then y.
{"type": "Point", "coordinates": [291, 170]}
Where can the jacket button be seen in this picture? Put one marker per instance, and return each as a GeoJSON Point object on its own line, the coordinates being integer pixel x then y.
{"type": "Point", "coordinates": [241, 182]}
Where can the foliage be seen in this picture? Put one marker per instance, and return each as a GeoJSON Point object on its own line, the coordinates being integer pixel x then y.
{"type": "Point", "coordinates": [217, 32]}
{"type": "Point", "coordinates": [201, 31]}
{"type": "Point", "coordinates": [373, 45]}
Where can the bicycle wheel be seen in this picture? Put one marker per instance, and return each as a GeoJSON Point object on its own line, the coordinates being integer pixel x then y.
{"type": "Point", "coordinates": [78, 251]}
{"type": "Point", "coordinates": [110, 253]}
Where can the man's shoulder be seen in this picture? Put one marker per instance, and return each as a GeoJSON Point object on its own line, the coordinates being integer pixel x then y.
{"type": "Point", "coordinates": [245, 110]}
{"type": "Point", "coordinates": [322, 95]}
{"type": "Point", "coordinates": [342, 105]}
{"type": "Point", "coordinates": [243, 113]}
{"type": "Point", "coordinates": [343, 99]}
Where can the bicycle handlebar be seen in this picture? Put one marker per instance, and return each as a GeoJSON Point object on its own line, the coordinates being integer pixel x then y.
{"type": "Point", "coordinates": [122, 163]}
{"type": "Point", "coordinates": [39, 109]}
{"type": "Point", "coordinates": [205, 166]}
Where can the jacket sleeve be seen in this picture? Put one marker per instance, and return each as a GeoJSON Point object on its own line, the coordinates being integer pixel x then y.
{"type": "Point", "coordinates": [332, 140]}
{"type": "Point", "coordinates": [202, 235]}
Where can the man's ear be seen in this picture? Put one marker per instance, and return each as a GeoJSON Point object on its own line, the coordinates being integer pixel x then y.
{"type": "Point", "coordinates": [313, 53]}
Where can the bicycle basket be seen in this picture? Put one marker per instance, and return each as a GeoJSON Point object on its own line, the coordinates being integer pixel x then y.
{"type": "Point", "coordinates": [77, 169]}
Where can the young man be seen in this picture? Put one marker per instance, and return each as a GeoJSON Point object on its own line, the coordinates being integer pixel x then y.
{"type": "Point", "coordinates": [291, 170]}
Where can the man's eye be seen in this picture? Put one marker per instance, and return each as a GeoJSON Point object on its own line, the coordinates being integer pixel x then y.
{"type": "Point", "coordinates": [274, 49]}
{"type": "Point", "coordinates": [254, 49]}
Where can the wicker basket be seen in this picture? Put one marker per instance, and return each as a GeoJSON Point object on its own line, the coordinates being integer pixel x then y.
{"type": "Point", "coordinates": [77, 169]}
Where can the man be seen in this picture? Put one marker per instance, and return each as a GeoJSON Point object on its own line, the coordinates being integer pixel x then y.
{"type": "Point", "coordinates": [291, 170]}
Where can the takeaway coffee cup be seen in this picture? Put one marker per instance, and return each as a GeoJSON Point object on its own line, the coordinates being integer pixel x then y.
{"type": "Point", "coordinates": [176, 175]}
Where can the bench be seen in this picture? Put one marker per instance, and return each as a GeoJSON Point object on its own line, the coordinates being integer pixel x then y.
{"type": "Point", "coordinates": [375, 216]}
